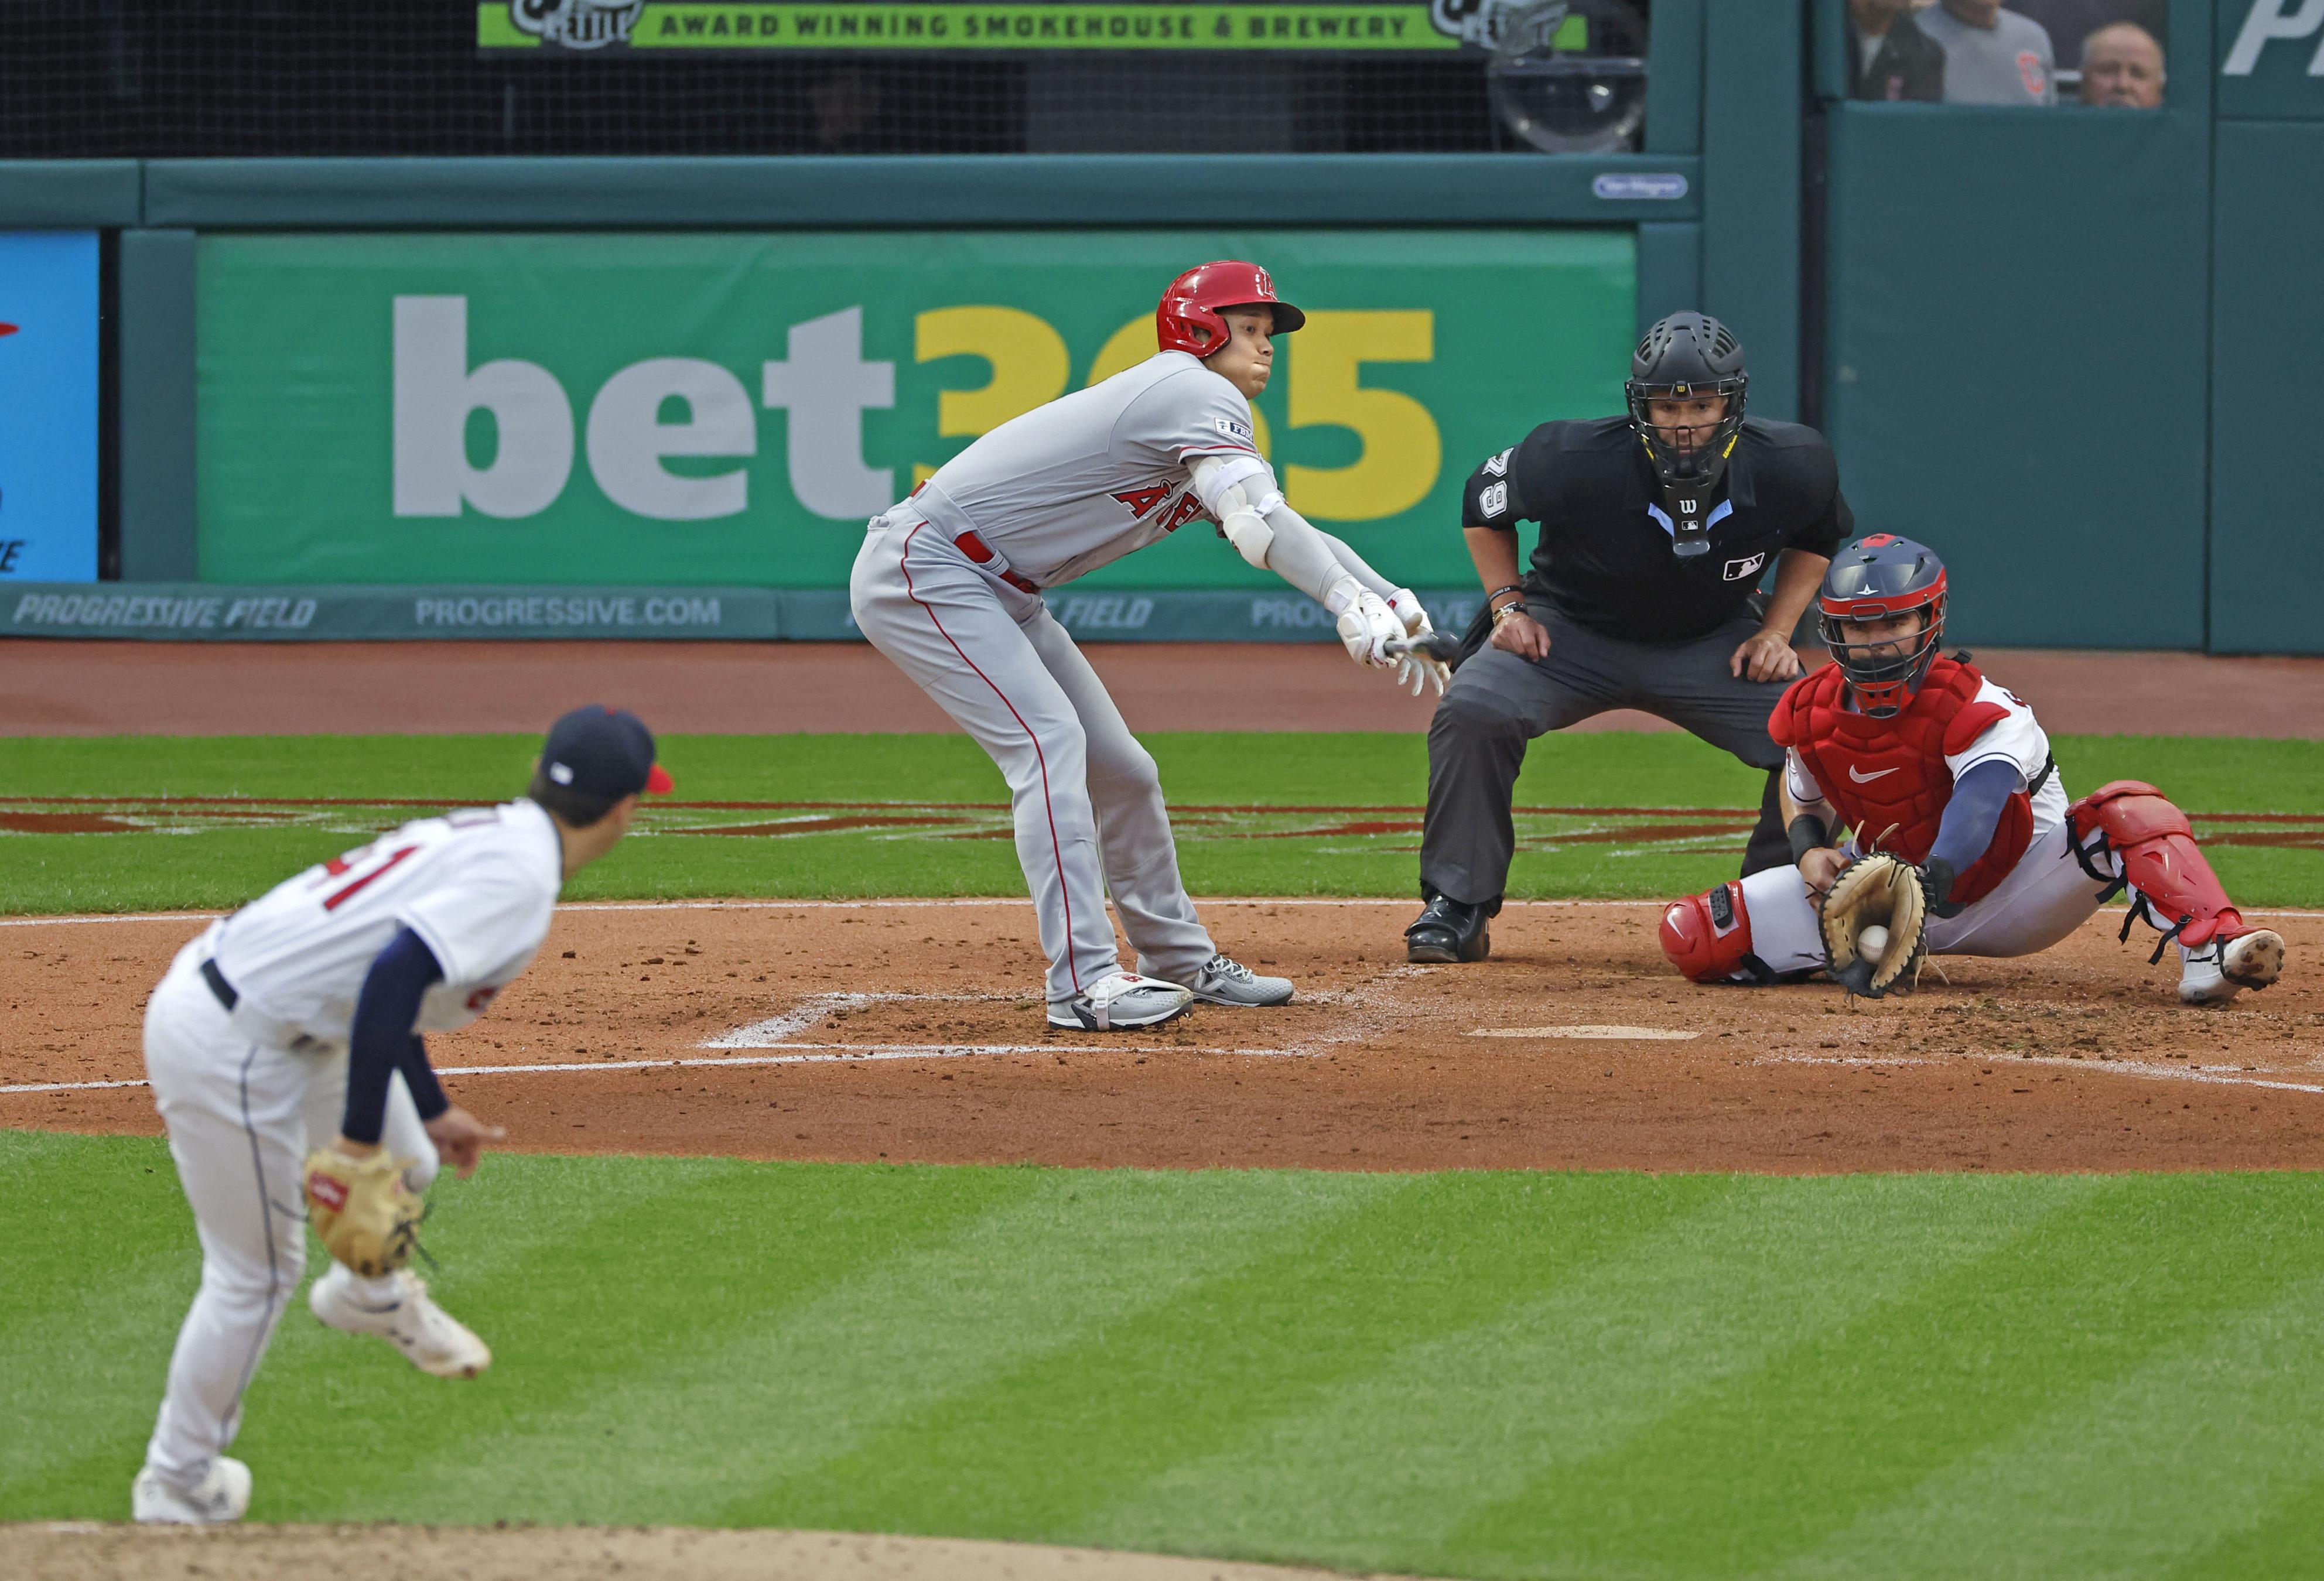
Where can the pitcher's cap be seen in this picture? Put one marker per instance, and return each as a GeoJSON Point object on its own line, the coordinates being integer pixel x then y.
{"type": "Point", "coordinates": [604, 752]}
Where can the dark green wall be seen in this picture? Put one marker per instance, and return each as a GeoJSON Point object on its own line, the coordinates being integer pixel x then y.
{"type": "Point", "coordinates": [2016, 360]}
{"type": "Point", "coordinates": [2267, 525]}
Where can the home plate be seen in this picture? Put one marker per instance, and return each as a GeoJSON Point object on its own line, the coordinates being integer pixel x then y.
{"type": "Point", "coordinates": [1651, 1033]}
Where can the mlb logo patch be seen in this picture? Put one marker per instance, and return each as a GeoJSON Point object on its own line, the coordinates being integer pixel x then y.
{"type": "Point", "coordinates": [1737, 570]}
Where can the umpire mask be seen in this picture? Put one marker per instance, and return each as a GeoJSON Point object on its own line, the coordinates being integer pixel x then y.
{"type": "Point", "coordinates": [1688, 356]}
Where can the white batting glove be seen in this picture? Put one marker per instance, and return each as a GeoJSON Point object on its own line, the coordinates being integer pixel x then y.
{"type": "Point", "coordinates": [1366, 625]}
{"type": "Point", "coordinates": [1405, 604]}
{"type": "Point", "coordinates": [1416, 670]}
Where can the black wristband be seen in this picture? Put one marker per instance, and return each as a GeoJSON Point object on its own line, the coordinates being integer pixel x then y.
{"type": "Point", "coordinates": [1516, 588]}
{"type": "Point", "coordinates": [1807, 832]}
{"type": "Point", "coordinates": [1938, 878]}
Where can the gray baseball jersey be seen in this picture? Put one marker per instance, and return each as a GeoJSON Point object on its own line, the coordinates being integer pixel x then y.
{"type": "Point", "coordinates": [2008, 63]}
{"type": "Point", "coordinates": [1093, 476]}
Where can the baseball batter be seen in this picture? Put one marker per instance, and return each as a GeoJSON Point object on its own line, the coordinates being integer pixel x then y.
{"type": "Point", "coordinates": [1924, 757]}
{"type": "Point", "coordinates": [295, 1025]}
{"type": "Point", "coordinates": [948, 585]}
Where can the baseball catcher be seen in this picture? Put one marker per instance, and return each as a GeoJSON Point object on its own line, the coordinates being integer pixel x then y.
{"type": "Point", "coordinates": [1962, 840]}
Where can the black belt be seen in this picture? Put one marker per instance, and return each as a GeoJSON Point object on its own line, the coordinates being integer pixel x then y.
{"type": "Point", "coordinates": [222, 990]}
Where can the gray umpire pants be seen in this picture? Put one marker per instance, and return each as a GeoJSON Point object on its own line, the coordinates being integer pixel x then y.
{"type": "Point", "coordinates": [1498, 702]}
{"type": "Point", "coordinates": [1090, 816]}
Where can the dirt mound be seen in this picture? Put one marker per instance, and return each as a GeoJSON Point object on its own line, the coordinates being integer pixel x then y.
{"type": "Point", "coordinates": [523, 1553]}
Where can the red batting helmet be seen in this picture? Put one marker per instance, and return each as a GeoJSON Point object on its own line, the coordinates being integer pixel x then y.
{"type": "Point", "coordinates": [1188, 318]}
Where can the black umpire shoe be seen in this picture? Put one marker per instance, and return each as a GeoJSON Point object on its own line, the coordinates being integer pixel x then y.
{"type": "Point", "coordinates": [1450, 930]}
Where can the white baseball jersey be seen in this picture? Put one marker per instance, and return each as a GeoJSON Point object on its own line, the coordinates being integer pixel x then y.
{"type": "Point", "coordinates": [2016, 738]}
{"type": "Point", "coordinates": [477, 885]}
{"type": "Point", "coordinates": [1090, 477]}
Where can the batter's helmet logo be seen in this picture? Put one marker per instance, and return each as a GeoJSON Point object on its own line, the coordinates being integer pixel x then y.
{"type": "Point", "coordinates": [577, 24]}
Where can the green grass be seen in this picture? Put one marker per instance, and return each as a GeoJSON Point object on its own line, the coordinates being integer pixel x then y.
{"type": "Point", "coordinates": [220, 867]}
{"type": "Point", "coordinates": [1472, 1374]}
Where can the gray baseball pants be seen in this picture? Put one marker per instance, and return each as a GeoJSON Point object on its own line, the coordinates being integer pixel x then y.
{"type": "Point", "coordinates": [1088, 804]}
{"type": "Point", "coordinates": [1498, 702]}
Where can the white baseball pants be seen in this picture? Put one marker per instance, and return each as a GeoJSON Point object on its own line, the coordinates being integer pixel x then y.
{"type": "Point", "coordinates": [2045, 898]}
{"type": "Point", "coordinates": [1088, 804]}
{"type": "Point", "coordinates": [242, 1115]}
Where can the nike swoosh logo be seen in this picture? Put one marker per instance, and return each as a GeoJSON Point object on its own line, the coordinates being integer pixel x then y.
{"type": "Point", "coordinates": [1866, 778]}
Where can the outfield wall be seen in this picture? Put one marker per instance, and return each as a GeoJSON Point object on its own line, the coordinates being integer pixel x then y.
{"type": "Point", "coordinates": [2027, 332]}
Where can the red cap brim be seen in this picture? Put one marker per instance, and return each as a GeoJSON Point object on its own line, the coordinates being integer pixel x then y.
{"type": "Point", "coordinates": [658, 781]}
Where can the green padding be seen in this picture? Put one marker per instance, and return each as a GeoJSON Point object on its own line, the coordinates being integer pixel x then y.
{"type": "Point", "coordinates": [821, 371]}
{"type": "Point", "coordinates": [1001, 190]}
{"type": "Point", "coordinates": [2267, 555]}
{"type": "Point", "coordinates": [2016, 361]}
{"type": "Point", "coordinates": [197, 612]}
{"type": "Point", "coordinates": [68, 194]}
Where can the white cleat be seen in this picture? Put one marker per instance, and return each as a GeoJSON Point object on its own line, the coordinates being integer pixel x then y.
{"type": "Point", "coordinates": [2215, 974]}
{"type": "Point", "coordinates": [1224, 981]}
{"type": "Point", "coordinates": [222, 1495]}
{"type": "Point", "coordinates": [1119, 1001]}
{"type": "Point", "coordinates": [430, 1338]}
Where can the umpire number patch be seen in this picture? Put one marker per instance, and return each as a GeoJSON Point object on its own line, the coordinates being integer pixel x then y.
{"type": "Point", "coordinates": [1494, 499]}
{"type": "Point", "coordinates": [1498, 467]}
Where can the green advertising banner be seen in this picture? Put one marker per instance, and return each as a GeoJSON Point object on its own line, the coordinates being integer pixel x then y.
{"type": "Point", "coordinates": [604, 28]}
{"type": "Point", "coordinates": [727, 411]}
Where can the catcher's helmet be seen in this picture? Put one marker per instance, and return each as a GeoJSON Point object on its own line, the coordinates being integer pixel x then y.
{"type": "Point", "coordinates": [1872, 578]}
{"type": "Point", "coordinates": [1188, 318]}
{"type": "Point", "coordinates": [1688, 354]}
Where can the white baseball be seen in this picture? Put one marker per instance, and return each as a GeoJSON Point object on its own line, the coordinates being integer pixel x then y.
{"type": "Point", "coordinates": [1872, 941]}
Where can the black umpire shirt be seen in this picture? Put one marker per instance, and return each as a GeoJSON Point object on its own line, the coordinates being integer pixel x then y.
{"type": "Point", "coordinates": [1604, 560]}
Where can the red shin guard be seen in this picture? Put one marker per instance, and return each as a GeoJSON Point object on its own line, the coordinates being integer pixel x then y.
{"type": "Point", "coordinates": [2160, 860]}
{"type": "Point", "coordinates": [1708, 937]}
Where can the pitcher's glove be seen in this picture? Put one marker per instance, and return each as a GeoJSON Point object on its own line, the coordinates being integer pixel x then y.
{"type": "Point", "coordinates": [1876, 889]}
{"type": "Point", "coordinates": [363, 1209]}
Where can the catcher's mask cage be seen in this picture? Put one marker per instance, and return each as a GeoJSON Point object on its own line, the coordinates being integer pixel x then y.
{"type": "Point", "coordinates": [1188, 319]}
{"type": "Point", "coordinates": [1688, 356]}
{"type": "Point", "coordinates": [1877, 578]}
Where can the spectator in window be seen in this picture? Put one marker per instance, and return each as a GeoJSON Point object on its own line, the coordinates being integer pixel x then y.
{"type": "Point", "coordinates": [2122, 67]}
{"type": "Point", "coordinates": [2070, 21]}
{"type": "Point", "coordinates": [1992, 56]}
{"type": "Point", "coordinates": [1888, 58]}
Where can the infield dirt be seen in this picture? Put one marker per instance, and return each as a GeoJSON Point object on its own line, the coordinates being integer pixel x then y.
{"type": "Point", "coordinates": [913, 1031]}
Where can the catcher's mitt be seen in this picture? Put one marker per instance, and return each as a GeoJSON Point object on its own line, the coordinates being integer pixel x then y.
{"type": "Point", "coordinates": [367, 1215]}
{"type": "Point", "coordinates": [1880, 889]}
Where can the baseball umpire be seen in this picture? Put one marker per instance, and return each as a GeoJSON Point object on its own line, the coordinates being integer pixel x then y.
{"type": "Point", "coordinates": [1655, 530]}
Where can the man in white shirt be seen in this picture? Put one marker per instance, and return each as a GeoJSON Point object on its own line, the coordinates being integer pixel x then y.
{"type": "Point", "coordinates": [295, 1024]}
{"type": "Point", "coordinates": [948, 584]}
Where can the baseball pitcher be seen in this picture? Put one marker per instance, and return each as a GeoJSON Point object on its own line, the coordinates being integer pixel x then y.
{"type": "Point", "coordinates": [948, 584]}
{"type": "Point", "coordinates": [285, 1051]}
{"type": "Point", "coordinates": [1963, 842]}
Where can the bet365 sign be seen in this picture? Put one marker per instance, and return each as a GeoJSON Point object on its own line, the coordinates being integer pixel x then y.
{"type": "Point", "coordinates": [730, 410]}
{"type": "Point", "coordinates": [2271, 59]}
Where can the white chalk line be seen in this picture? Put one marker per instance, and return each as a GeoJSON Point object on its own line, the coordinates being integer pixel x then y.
{"type": "Point", "coordinates": [1610, 1033]}
{"type": "Point", "coordinates": [951, 902]}
{"type": "Point", "coordinates": [2115, 1067]}
{"type": "Point", "coordinates": [828, 1053]}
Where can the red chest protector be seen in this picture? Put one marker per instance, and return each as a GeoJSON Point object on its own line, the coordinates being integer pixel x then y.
{"type": "Point", "coordinates": [1882, 772]}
